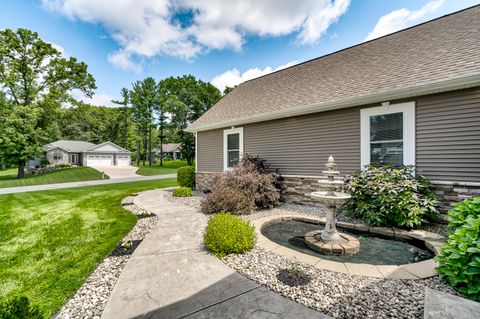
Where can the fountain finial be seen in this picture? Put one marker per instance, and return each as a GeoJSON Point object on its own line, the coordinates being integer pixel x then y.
{"type": "Point", "coordinates": [330, 159]}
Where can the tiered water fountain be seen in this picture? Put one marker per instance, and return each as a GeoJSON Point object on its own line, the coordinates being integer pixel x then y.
{"type": "Point", "coordinates": [330, 240]}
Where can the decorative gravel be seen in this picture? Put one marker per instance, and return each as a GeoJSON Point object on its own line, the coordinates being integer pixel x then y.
{"type": "Point", "coordinates": [90, 300]}
{"type": "Point", "coordinates": [192, 201]}
{"type": "Point", "coordinates": [336, 294]}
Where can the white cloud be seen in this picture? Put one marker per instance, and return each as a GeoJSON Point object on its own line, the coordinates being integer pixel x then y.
{"type": "Point", "coordinates": [234, 77]}
{"type": "Point", "coordinates": [98, 99]}
{"type": "Point", "coordinates": [400, 19]}
{"type": "Point", "coordinates": [121, 59]}
{"type": "Point", "coordinates": [146, 28]}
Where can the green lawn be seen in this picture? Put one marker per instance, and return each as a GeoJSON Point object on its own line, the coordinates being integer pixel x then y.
{"type": "Point", "coordinates": [50, 241]}
{"type": "Point", "coordinates": [8, 177]}
{"type": "Point", "coordinates": [169, 167]}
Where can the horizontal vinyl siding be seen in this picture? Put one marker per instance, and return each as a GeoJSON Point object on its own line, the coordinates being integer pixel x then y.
{"type": "Point", "coordinates": [448, 136]}
{"type": "Point", "coordinates": [210, 151]}
{"type": "Point", "coordinates": [301, 145]}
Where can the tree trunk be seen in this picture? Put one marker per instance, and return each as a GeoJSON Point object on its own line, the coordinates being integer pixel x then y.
{"type": "Point", "coordinates": [138, 148]}
{"type": "Point", "coordinates": [161, 145]}
{"type": "Point", "coordinates": [144, 147]}
{"type": "Point", "coordinates": [21, 169]}
{"type": "Point", "coordinates": [150, 145]}
{"type": "Point", "coordinates": [125, 132]}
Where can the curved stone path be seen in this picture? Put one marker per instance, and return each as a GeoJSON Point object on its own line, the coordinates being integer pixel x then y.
{"type": "Point", "coordinates": [170, 276]}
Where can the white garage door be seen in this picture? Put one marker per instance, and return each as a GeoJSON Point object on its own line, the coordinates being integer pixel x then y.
{"type": "Point", "coordinates": [123, 160]}
{"type": "Point", "coordinates": [100, 160]}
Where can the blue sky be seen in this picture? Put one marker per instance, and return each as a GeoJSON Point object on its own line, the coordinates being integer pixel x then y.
{"type": "Point", "coordinates": [221, 41]}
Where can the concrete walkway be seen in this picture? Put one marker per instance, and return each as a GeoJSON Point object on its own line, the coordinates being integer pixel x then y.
{"type": "Point", "coordinates": [34, 188]}
{"type": "Point", "coordinates": [169, 276]}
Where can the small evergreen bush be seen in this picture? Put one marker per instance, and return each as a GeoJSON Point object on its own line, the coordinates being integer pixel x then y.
{"type": "Point", "coordinates": [226, 234]}
{"type": "Point", "coordinates": [182, 192]}
{"type": "Point", "coordinates": [19, 308]}
{"type": "Point", "coordinates": [459, 257]}
{"type": "Point", "coordinates": [186, 176]}
{"type": "Point", "coordinates": [391, 196]}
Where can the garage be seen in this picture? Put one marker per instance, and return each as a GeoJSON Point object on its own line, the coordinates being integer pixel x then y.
{"type": "Point", "coordinates": [123, 160]}
{"type": "Point", "coordinates": [99, 160]}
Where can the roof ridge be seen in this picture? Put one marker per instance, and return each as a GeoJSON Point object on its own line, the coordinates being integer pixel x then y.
{"type": "Point", "coordinates": [362, 43]}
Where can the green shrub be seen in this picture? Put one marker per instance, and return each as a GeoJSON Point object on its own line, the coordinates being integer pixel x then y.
{"type": "Point", "coordinates": [391, 196]}
{"type": "Point", "coordinates": [18, 308]}
{"type": "Point", "coordinates": [227, 200]}
{"type": "Point", "coordinates": [461, 211]}
{"type": "Point", "coordinates": [63, 166]}
{"type": "Point", "coordinates": [182, 192]}
{"type": "Point", "coordinates": [226, 234]}
{"type": "Point", "coordinates": [459, 257]}
{"type": "Point", "coordinates": [186, 176]}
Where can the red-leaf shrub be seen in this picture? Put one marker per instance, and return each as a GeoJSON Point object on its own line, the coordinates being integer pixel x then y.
{"type": "Point", "coordinates": [251, 179]}
{"type": "Point", "coordinates": [227, 200]}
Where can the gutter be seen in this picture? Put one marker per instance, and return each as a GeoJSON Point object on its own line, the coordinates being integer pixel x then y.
{"type": "Point", "coordinates": [397, 94]}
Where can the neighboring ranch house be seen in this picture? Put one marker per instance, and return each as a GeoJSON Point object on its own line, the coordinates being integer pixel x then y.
{"type": "Point", "coordinates": [172, 150]}
{"type": "Point", "coordinates": [87, 154]}
{"type": "Point", "coordinates": [408, 98]}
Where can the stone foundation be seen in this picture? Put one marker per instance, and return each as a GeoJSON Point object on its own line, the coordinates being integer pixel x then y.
{"type": "Point", "coordinates": [203, 181]}
{"type": "Point", "coordinates": [296, 189]}
{"type": "Point", "coordinates": [450, 193]}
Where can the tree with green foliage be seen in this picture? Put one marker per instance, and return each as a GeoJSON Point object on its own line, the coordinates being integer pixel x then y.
{"type": "Point", "coordinates": [186, 99]}
{"type": "Point", "coordinates": [125, 113]}
{"type": "Point", "coordinates": [228, 89]}
{"type": "Point", "coordinates": [144, 98]}
{"type": "Point", "coordinates": [35, 79]}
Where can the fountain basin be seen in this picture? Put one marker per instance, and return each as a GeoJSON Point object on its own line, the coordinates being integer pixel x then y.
{"type": "Point", "coordinates": [338, 198]}
{"type": "Point", "coordinates": [344, 264]}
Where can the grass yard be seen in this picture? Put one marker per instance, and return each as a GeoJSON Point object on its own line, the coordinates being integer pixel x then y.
{"type": "Point", "coordinates": [50, 241]}
{"type": "Point", "coordinates": [169, 167]}
{"type": "Point", "coordinates": [8, 177]}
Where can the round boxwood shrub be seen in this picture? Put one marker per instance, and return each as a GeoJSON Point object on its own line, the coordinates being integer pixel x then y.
{"type": "Point", "coordinates": [226, 234]}
{"type": "Point", "coordinates": [391, 196]}
{"type": "Point", "coordinates": [182, 192]}
{"type": "Point", "coordinates": [19, 307]}
{"type": "Point", "coordinates": [186, 176]}
{"type": "Point", "coordinates": [459, 257]}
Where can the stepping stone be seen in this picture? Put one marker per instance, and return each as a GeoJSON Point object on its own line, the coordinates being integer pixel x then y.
{"type": "Point", "coordinates": [446, 306]}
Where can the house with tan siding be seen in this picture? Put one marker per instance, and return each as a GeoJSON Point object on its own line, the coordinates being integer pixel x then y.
{"type": "Point", "coordinates": [408, 98]}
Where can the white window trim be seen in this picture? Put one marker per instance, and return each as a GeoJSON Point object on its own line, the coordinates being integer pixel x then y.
{"type": "Point", "coordinates": [408, 110]}
{"type": "Point", "coordinates": [227, 132]}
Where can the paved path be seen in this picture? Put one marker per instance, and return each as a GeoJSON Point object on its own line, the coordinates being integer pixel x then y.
{"type": "Point", "coordinates": [34, 188]}
{"type": "Point", "coordinates": [169, 276]}
{"type": "Point", "coordinates": [115, 172]}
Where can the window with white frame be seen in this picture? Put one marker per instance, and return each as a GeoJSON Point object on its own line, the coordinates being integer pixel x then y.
{"type": "Point", "coordinates": [57, 156]}
{"type": "Point", "coordinates": [232, 146]}
{"type": "Point", "coordinates": [388, 134]}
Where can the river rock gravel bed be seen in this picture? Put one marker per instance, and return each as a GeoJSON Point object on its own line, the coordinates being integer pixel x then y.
{"type": "Point", "coordinates": [336, 294]}
{"type": "Point", "coordinates": [90, 300]}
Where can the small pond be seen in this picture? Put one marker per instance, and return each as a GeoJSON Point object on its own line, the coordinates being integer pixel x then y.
{"type": "Point", "coordinates": [374, 249]}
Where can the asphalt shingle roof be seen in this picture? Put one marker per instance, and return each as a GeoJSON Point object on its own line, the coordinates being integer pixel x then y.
{"type": "Point", "coordinates": [70, 146]}
{"type": "Point", "coordinates": [439, 50]}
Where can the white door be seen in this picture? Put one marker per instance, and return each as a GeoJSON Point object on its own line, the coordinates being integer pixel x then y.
{"type": "Point", "coordinates": [123, 160]}
{"type": "Point", "coordinates": [100, 160]}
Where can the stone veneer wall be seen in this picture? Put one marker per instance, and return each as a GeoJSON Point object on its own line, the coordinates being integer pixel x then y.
{"type": "Point", "coordinates": [296, 189]}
